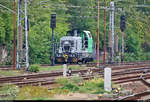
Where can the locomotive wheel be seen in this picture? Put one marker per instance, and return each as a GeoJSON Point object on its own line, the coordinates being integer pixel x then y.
{"type": "Point", "coordinates": [84, 61]}
{"type": "Point", "coordinates": [75, 60]}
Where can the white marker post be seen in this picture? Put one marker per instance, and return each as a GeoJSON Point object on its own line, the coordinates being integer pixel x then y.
{"type": "Point", "coordinates": [107, 79]}
{"type": "Point", "coordinates": [65, 70]}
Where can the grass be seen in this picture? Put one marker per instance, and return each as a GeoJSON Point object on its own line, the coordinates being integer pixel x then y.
{"type": "Point", "coordinates": [10, 73]}
{"type": "Point", "coordinates": [10, 91]}
{"type": "Point", "coordinates": [38, 93]}
{"type": "Point", "coordinates": [63, 86]}
{"type": "Point", "coordinates": [60, 67]}
{"type": "Point", "coordinates": [28, 92]}
{"type": "Point", "coordinates": [33, 93]}
{"type": "Point", "coordinates": [76, 84]}
{"type": "Point", "coordinates": [4, 73]}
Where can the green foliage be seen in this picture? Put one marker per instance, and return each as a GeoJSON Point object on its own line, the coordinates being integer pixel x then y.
{"type": "Point", "coordinates": [137, 32]}
{"type": "Point", "coordinates": [40, 31]}
{"type": "Point", "coordinates": [145, 56]}
{"type": "Point", "coordinates": [130, 57]}
{"type": "Point", "coordinates": [60, 67]}
{"type": "Point", "coordinates": [69, 84]}
{"type": "Point", "coordinates": [6, 23]}
{"type": "Point", "coordinates": [2, 31]}
{"type": "Point", "coordinates": [94, 86]}
{"type": "Point", "coordinates": [76, 79]}
{"type": "Point", "coordinates": [62, 81]}
{"type": "Point", "coordinates": [9, 73]}
{"type": "Point", "coordinates": [34, 68]}
{"type": "Point", "coordinates": [94, 61]}
{"type": "Point", "coordinates": [71, 87]}
{"type": "Point", "coordinates": [59, 91]}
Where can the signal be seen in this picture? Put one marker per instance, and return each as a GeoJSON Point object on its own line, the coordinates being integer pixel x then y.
{"type": "Point", "coordinates": [122, 23]}
{"type": "Point", "coordinates": [53, 20]}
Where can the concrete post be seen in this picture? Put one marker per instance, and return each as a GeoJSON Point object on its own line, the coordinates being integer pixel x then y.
{"type": "Point", "coordinates": [65, 70]}
{"type": "Point", "coordinates": [107, 79]}
{"type": "Point", "coordinates": [112, 22]}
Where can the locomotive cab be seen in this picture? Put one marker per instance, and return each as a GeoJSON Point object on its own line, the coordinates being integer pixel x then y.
{"type": "Point", "coordinates": [78, 47]}
{"type": "Point", "coordinates": [66, 47]}
{"type": "Point", "coordinates": [70, 46]}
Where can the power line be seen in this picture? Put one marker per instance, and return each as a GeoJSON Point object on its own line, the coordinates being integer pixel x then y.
{"type": "Point", "coordinates": [7, 8]}
{"type": "Point", "coordinates": [93, 7]}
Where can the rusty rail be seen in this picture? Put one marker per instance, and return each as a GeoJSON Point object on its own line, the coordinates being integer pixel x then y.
{"type": "Point", "coordinates": [135, 96]}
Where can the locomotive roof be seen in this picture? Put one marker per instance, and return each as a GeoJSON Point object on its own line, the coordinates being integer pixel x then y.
{"type": "Point", "coordinates": [70, 38]}
{"type": "Point", "coordinates": [86, 31]}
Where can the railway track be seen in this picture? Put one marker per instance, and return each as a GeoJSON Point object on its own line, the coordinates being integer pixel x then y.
{"type": "Point", "coordinates": [144, 95]}
{"type": "Point", "coordinates": [136, 96]}
{"type": "Point", "coordinates": [129, 78]}
{"type": "Point", "coordinates": [90, 64]}
{"type": "Point", "coordinates": [48, 78]}
{"type": "Point", "coordinates": [120, 74]}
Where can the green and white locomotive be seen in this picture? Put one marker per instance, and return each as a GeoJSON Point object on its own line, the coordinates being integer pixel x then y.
{"type": "Point", "coordinates": [75, 47]}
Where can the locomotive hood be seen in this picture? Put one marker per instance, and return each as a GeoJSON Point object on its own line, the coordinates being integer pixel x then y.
{"type": "Point", "coordinates": [70, 38]}
{"type": "Point", "coordinates": [70, 44]}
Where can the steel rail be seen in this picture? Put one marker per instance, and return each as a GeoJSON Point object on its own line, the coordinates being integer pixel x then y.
{"type": "Point", "coordinates": [135, 96]}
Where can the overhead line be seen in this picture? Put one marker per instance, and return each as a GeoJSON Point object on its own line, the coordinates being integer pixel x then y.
{"type": "Point", "coordinates": [7, 8]}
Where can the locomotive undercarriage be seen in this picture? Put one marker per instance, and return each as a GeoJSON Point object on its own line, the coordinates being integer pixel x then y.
{"type": "Point", "coordinates": [77, 58]}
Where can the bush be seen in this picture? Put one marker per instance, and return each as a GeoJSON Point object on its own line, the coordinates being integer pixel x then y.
{"type": "Point", "coordinates": [145, 56]}
{"type": "Point", "coordinates": [131, 57]}
{"type": "Point", "coordinates": [94, 61]}
{"type": "Point", "coordinates": [34, 68]}
{"type": "Point", "coordinates": [71, 87]}
{"type": "Point", "coordinates": [76, 80]}
{"type": "Point", "coordinates": [94, 86]}
{"type": "Point", "coordinates": [62, 81]}
{"type": "Point", "coordinates": [69, 84]}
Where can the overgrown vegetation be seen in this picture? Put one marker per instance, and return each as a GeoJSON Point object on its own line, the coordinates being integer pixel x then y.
{"type": "Point", "coordinates": [77, 14]}
{"type": "Point", "coordinates": [51, 68]}
{"type": "Point", "coordinates": [62, 86]}
{"type": "Point", "coordinates": [9, 73]}
{"type": "Point", "coordinates": [10, 91]}
{"type": "Point", "coordinates": [33, 92]}
{"type": "Point", "coordinates": [77, 84]}
{"type": "Point", "coordinates": [34, 68]}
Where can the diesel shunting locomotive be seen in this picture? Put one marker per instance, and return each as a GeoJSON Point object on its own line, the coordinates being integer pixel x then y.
{"type": "Point", "coordinates": [76, 47]}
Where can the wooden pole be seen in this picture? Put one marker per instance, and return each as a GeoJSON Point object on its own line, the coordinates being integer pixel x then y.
{"type": "Point", "coordinates": [98, 59]}
{"type": "Point", "coordinates": [104, 32]}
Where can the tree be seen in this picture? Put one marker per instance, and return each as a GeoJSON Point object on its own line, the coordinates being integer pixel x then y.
{"type": "Point", "coordinates": [40, 31]}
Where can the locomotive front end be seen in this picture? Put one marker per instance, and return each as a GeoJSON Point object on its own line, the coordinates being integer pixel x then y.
{"type": "Point", "coordinates": [69, 50]}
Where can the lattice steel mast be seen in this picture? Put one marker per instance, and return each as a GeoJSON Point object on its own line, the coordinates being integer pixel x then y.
{"type": "Point", "coordinates": [22, 53]}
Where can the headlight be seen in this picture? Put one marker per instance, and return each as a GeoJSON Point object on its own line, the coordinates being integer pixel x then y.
{"type": "Point", "coordinates": [72, 55]}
